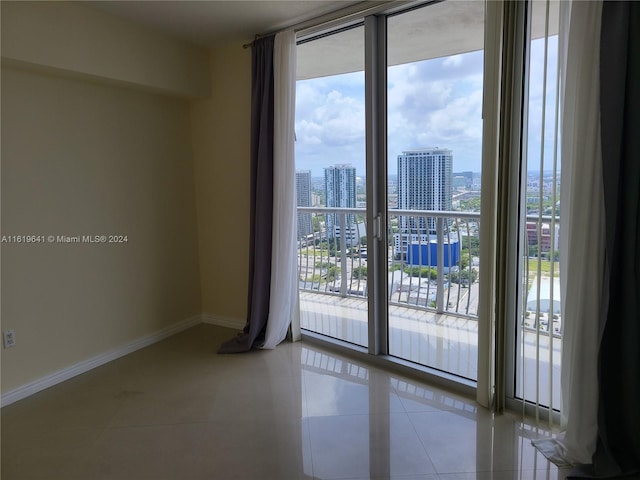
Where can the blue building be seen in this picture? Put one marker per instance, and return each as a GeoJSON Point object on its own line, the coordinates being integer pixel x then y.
{"type": "Point", "coordinates": [426, 254]}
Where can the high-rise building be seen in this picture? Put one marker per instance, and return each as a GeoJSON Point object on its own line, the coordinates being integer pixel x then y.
{"type": "Point", "coordinates": [340, 191]}
{"type": "Point", "coordinates": [303, 199]}
{"type": "Point", "coordinates": [424, 183]}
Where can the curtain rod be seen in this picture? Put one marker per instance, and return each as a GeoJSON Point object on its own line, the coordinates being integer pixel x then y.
{"type": "Point", "coordinates": [353, 12]}
{"type": "Point", "coordinates": [247, 45]}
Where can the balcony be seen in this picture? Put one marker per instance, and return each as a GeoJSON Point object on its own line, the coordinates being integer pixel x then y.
{"type": "Point", "coordinates": [433, 284]}
{"type": "Point", "coordinates": [432, 276]}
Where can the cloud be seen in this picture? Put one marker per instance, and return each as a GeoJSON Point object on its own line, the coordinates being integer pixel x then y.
{"type": "Point", "coordinates": [336, 120]}
{"type": "Point", "coordinates": [459, 119]}
{"type": "Point", "coordinates": [436, 102]}
{"type": "Point", "coordinates": [330, 122]}
{"type": "Point", "coordinates": [453, 61]}
{"type": "Point", "coordinates": [431, 106]}
{"type": "Point", "coordinates": [536, 141]}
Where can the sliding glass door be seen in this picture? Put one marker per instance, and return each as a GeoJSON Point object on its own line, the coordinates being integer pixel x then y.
{"type": "Point", "coordinates": [388, 152]}
{"type": "Point", "coordinates": [331, 188]}
{"type": "Point", "coordinates": [434, 131]}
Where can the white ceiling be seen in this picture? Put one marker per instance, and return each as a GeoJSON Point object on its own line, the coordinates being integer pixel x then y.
{"type": "Point", "coordinates": [441, 29]}
{"type": "Point", "coordinates": [208, 22]}
{"type": "Point", "coordinates": [438, 30]}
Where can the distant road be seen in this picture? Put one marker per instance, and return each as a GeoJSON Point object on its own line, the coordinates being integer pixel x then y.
{"type": "Point", "coordinates": [465, 195]}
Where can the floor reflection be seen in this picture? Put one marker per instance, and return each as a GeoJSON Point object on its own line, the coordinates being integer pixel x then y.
{"type": "Point", "coordinates": [176, 410]}
{"type": "Point", "coordinates": [363, 422]}
{"type": "Point", "coordinates": [445, 342]}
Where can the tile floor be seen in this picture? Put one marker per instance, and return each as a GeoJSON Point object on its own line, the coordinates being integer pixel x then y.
{"type": "Point", "coordinates": [178, 411]}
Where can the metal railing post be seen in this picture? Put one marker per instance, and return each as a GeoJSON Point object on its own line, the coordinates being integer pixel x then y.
{"type": "Point", "coordinates": [342, 222]}
{"type": "Point", "coordinates": [441, 225]}
{"type": "Point", "coordinates": [440, 266]}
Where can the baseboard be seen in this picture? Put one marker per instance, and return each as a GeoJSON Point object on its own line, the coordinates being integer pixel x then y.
{"type": "Point", "coordinates": [93, 362]}
{"type": "Point", "coordinates": [235, 323]}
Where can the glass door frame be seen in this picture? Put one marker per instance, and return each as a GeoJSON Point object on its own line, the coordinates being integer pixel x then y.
{"type": "Point", "coordinates": [375, 24]}
{"type": "Point", "coordinates": [376, 166]}
{"type": "Point", "coordinates": [377, 215]}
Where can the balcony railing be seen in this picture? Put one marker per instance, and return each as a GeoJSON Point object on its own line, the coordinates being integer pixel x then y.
{"type": "Point", "coordinates": [541, 275]}
{"type": "Point", "coordinates": [432, 257]}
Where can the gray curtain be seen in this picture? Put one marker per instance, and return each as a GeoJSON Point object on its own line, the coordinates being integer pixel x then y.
{"type": "Point", "coordinates": [261, 214]}
{"type": "Point", "coordinates": [618, 450]}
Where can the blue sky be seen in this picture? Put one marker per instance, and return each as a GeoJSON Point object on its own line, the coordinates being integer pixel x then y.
{"type": "Point", "coordinates": [432, 103]}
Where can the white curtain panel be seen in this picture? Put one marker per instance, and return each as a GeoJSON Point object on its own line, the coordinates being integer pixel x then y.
{"type": "Point", "coordinates": [283, 303]}
{"type": "Point", "coordinates": [582, 239]}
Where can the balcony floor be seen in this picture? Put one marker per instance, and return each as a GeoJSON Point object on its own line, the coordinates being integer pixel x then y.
{"type": "Point", "coordinates": [444, 342]}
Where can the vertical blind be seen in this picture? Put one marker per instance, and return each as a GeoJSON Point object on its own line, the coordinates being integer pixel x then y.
{"type": "Point", "coordinates": [541, 325]}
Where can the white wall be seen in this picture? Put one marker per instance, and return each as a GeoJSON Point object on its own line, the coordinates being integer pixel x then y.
{"type": "Point", "coordinates": [83, 155]}
{"type": "Point", "coordinates": [81, 158]}
{"type": "Point", "coordinates": [72, 38]}
{"type": "Point", "coordinates": [221, 126]}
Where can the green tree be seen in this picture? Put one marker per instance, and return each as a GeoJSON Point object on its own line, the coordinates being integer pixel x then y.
{"type": "Point", "coordinates": [331, 244]}
{"type": "Point", "coordinates": [470, 205]}
{"type": "Point", "coordinates": [465, 259]}
{"type": "Point", "coordinates": [359, 272]}
{"type": "Point", "coordinates": [317, 223]}
{"type": "Point", "coordinates": [473, 244]}
{"type": "Point", "coordinates": [464, 276]}
{"type": "Point", "coordinates": [422, 272]}
{"type": "Point", "coordinates": [332, 273]}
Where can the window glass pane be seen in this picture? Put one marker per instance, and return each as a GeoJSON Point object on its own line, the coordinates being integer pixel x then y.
{"type": "Point", "coordinates": [330, 179]}
{"type": "Point", "coordinates": [435, 89]}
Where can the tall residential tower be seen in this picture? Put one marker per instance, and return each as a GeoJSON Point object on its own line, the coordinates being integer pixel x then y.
{"type": "Point", "coordinates": [340, 191]}
{"type": "Point", "coordinates": [303, 199]}
{"type": "Point", "coordinates": [424, 183]}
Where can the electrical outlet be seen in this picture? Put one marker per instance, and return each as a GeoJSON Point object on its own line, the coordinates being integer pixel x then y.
{"type": "Point", "coordinates": [9, 338]}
